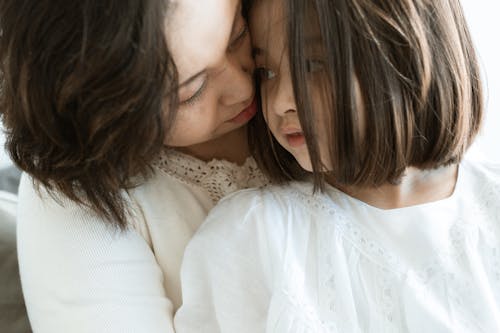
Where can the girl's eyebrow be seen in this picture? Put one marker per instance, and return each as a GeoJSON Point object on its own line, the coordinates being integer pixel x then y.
{"type": "Point", "coordinates": [314, 39]}
{"type": "Point", "coordinates": [258, 51]}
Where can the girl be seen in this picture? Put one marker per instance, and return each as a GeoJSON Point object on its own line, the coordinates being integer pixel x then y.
{"type": "Point", "coordinates": [378, 101]}
{"type": "Point", "coordinates": [129, 119]}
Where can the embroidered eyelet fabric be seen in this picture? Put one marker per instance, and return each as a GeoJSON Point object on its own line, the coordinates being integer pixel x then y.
{"type": "Point", "coordinates": [331, 263]}
{"type": "Point", "coordinates": [366, 282]}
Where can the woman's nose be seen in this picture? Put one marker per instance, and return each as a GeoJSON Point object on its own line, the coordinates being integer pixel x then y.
{"type": "Point", "coordinates": [239, 85]}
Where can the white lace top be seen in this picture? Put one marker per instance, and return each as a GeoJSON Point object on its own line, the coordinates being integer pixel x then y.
{"type": "Point", "coordinates": [283, 260]}
{"type": "Point", "coordinates": [81, 276]}
{"type": "Point", "coordinates": [217, 178]}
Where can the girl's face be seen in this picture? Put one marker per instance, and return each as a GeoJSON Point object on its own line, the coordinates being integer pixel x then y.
{"type": "Point", "coordinates": [210, 45]}
{"type": "Point", "coordinates": [268, 30]}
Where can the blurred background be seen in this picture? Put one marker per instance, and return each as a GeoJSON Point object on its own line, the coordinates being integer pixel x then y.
{"type": "Point", "coordinates": [484, 25]}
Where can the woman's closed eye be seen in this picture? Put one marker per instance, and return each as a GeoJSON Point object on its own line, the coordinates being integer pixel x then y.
{"type": "Point", "coordinates": [192, 98]}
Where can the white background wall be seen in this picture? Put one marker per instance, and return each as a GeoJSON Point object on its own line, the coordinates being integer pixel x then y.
{"type": "Point", "coordinates": [484, 24]}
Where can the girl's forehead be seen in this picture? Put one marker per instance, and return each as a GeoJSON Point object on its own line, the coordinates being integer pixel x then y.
{"type": "Point", "coordinates": [267, 10]}
{"type": "Point", "coordinates": [267, 20]}
{"type": "Point", "coordinates": [198, 32]}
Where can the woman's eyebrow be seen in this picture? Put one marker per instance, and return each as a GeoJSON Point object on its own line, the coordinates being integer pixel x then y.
{"type": "Point", "coordinates": [236, 13]}
{"type": "Point", "coordinates": [204, 71]}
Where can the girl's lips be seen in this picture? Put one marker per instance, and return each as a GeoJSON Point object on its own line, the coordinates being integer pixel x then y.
{"type": "Point", "coordinates": [293, 135]}
{"type": "Point", "coordinates": [295, 139]}
{"type": "Point", "coordinates": [248, 113]}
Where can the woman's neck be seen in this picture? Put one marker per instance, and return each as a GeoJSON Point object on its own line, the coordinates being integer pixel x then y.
{"type": "Point", "coordinates": [416, 187]}
{"type": "Point", "coordinates": [232, 147]}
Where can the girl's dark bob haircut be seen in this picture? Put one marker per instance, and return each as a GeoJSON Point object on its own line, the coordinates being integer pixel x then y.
{"type": "Point", "coordinates": [411, 64]}
{"type": "Point", "coordinates": [84, 95]}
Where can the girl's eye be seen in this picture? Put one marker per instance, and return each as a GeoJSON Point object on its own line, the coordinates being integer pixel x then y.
{"type": "Point", "coordinates": [236, 42]}
{"type": "Point", "coordinates": [264, 74]}
{"type": "Point", "coordinates": [196, 96]}
{"type": "Point", "coordinates": [313, 65]}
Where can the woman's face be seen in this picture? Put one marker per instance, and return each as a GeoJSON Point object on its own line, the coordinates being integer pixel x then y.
{"type": "Point", "coordinates": [210, 45]}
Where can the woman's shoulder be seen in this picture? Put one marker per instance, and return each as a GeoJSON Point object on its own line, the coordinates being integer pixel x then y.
{"type": "Point", "coordinates": [53, 212]}
{"type": "Point", "coordinates": [35, 200]}
{"type": "Point", "coordinates": [45, 217]}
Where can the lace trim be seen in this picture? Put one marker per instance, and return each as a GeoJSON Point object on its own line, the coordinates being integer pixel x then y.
{"type": "Point", "coordinates": [218, 177]}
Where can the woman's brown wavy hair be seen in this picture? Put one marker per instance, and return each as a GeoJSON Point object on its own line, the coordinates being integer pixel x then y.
{"type": "Point", "coordinates": [418, 78]}
{"type": "Point", "coordinates": [83, 95]}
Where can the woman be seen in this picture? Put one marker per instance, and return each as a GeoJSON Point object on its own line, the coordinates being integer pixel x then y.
{"type": "Point", "coordinates": [126, 144]}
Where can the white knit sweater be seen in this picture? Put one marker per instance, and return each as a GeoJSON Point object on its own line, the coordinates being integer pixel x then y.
{"type": "Point", "coordinates": [80, 275]}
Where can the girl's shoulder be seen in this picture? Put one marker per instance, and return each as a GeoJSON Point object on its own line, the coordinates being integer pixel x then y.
{"type": "Point", "coordinates": [270, 199]}
{"type": "Point", "coordinates": [479, 187]}
{"type": "Point", "coordinates": [480, 171]}
{"type": "Point", "coordinates": [266, 220]}
{"type": "Point", "coordinates": [254, 210]}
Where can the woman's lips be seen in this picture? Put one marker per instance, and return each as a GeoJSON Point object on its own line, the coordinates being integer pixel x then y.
{"type": "Point", "coordinates": [248, 113]}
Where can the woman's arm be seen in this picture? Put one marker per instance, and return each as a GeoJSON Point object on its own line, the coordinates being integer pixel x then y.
{"type": "Point", "coordinates": [80, 275]}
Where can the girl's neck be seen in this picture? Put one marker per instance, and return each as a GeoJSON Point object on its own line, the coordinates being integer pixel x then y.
{"type": "Point", "coordinates": [232, 147]}
{"type": "Point", "coordinates": [416, 187]}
